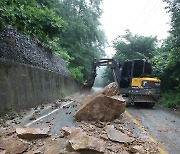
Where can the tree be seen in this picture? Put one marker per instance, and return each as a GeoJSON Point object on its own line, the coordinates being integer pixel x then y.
{"type": "Point", "coordinates": [167, 59]}
{"type": "Point", "coordinates": [83, 38]}
{"type": "Point", "coordinates": [174, 10]}
{"type": "Point", "coordinates": [131, 46]}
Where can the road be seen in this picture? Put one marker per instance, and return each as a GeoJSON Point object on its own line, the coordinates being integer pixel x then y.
{"type": "Point", "coordinates": [160, 125]}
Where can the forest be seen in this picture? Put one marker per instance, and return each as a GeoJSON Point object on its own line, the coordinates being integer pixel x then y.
{"type": "Point", "coordinates": [71, 29]}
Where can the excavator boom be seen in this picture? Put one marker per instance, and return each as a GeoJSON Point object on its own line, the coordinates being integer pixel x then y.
{"type": "Point", "coordinates": [102, 62]}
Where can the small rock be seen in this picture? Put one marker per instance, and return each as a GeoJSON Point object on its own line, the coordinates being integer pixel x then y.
{"type": "Point", "coordinates": [80, 140]}
{"type": "Point", "coordinates": [12, 145]}
{"type": "Point", "coordinates": [137, 149]}
{"type": "Point", "coordinates": [116, 135]}
{"type": "Point", "coordinates": [61, 134]}
{"type": "Point", "coordinates": [91, 127]}
{"type": "Point", "coordinates": [32, 118]}
{"type": "Point", "coordinates": [7, 131]}
{"type": "Point", "coordinates": [42, 106]}
{"type": "Point", "coordinates": [3, 152]}
{"type": "Point", "coordinates": [117, 121]}
{"type": "Point", "coordinates": [104, 136]}
{"type": "Point", "coordinates": [68, 130]}
{"type": "Point", "coordinates": [32, 133]}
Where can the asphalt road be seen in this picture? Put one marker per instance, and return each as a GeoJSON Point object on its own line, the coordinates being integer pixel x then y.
{"type": "Point", "coordinates": [161, 124]}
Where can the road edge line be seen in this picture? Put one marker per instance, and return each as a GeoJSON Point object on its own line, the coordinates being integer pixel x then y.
{"type": "Point", "coordinates": [140, 127]}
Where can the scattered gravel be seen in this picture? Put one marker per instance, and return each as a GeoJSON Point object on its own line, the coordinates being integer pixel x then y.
{"type": "Point", "coordinates": [17, 47]}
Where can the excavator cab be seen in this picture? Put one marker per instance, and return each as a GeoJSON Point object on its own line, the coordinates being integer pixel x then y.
{"type": "Point", "coordinates": [137, 83]}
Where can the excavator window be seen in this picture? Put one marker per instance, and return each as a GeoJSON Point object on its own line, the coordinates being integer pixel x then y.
{"type": "Point", "coordinates": [138, 68]}
{"type": "Point", "coordinates": [126, 70]}
{"type": "Point", "coordinates": [126, 74]}
{"type": "Point", "coordinates": [147, 69]}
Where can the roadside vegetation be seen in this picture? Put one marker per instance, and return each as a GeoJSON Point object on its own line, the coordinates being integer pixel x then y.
{"type": "Point", "coordinates": [69, 27]}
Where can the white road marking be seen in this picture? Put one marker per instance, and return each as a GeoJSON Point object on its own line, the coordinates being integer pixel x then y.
{"type": "Point", "coordinates": [32, 122]}
{"type": "Point", "coordinates": [66, 104]}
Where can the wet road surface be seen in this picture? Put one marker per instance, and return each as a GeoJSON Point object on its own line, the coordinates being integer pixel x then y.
{"type": "Point", "coordinates": [161, 124]}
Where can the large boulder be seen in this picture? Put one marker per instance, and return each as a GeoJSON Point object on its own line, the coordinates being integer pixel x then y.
{"type": "Point", "coordinates": [102, 106]}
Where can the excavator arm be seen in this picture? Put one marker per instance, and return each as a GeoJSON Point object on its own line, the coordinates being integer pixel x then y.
{"type": "Point", "coordinates": [102, 62]}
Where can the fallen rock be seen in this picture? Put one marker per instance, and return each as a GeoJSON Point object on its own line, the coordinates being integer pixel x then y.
{"type": "Point", "coordinates": [79, 140]}
{"type": "Point", "coordinates": [111, 90]}
{"type": "Point", "coordinates": [116, 135]}
{"type": "Point", "coordinates": [55, 147]}
{"type": "Point", "coordinates": [117, 149]}
{"type": "Point", "coordinates": [102, 106]}
{"type": "Point", "coordinates": [33, 117]}
{"type": "Point", "coordinates": [12, 145]}
{"type": "Point", "coordinates": [3, 152]}
{"type": "Point", "coordinates": [104, 136]}
{"type": "Point", "coordinates": [69, 130]}
{"type": "Point", "coordinates": [8, 131]}
{"type": "Point", "coordinates": [100, 124]}
{"type": "Point", "coordinates": [32, 133]}
{"type": "Point", "coordinates": [137, 149]}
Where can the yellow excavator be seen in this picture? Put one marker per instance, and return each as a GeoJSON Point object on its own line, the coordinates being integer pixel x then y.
{"type": "Point", "coordinates": [134, 78]}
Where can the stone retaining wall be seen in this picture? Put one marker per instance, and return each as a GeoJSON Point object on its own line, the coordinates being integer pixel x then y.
{"type": "Point", "coordinates": [23, 86]}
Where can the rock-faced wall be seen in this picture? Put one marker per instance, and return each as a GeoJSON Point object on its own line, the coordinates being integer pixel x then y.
{"type": "Point", "coordinates": [19, 48]}
{"type": "Point", "coordinates": [30, 74]}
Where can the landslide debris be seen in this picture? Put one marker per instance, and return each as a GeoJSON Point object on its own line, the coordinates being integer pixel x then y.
{"type": "Point", "coordinates": [105, 105]}
{"type": "Point", "coordinates": [85, 137]}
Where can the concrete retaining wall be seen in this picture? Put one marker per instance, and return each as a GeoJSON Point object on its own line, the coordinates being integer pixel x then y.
{"type": "Point", "coordinates": [22, 86]}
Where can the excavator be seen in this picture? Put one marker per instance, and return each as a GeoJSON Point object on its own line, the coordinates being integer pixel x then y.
{"type": "Point", "coordinates": [134, 78]}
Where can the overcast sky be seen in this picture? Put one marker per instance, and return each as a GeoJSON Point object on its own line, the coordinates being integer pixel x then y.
{"type": "Point", "coordinates": [143, 17]}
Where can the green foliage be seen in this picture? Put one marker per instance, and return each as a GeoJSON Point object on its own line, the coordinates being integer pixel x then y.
{"type": "Point", "coordinates": [55, 46]}
{"type": "Point", "coordinates": [76, 73]}
{"type": "Point", "coordinates": [167, 58]}
{"type": "Point", "coordinates": [108, 75]}
{"type": "Point", "coordinates": [174, 9]}
{"type": "Point", "coordinates": [171, 99]}
{"type": "Point", "coordinates": [83, 39]}
{"type": "Point", "coordinates": [131, 46]}
{"type": "Point", "coordinates": [69, 27]}
{"type": "Point", "coordinates": [39, 23]}
{"type": "Point", "coordinates": [166, 65]}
